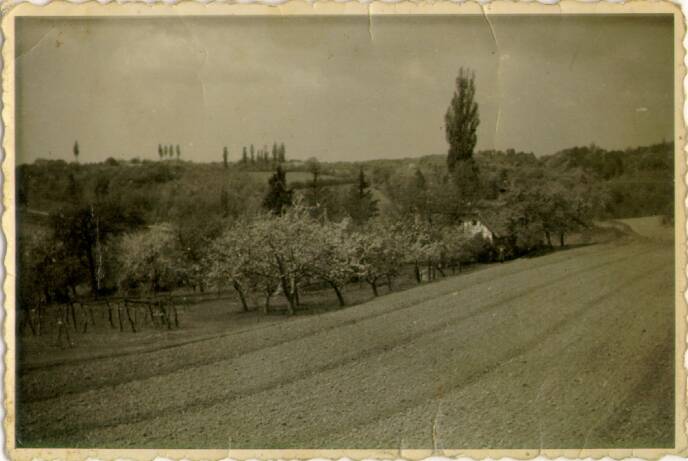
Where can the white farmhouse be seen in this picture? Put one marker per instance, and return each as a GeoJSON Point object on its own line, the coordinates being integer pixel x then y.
{"type": "Point", "coordinates": [473, 227]}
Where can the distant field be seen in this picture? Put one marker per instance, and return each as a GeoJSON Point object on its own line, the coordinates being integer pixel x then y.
{"type": "Point", "coordinates": [219, 172]}
{"type": "Point", "coordinates": [212, 178]}
{"type": "Point", "coordinates": [291, 175]}
{"type": "Point", "coordinates": [651, 227]}
{"type": "Point", "coordinates": [492, 358]}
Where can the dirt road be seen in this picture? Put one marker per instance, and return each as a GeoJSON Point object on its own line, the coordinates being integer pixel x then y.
{"type": "Point", "coordinates": [573, 349]}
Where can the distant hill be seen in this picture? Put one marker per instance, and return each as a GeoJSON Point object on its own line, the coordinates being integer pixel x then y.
{"type": "Point", "coordinates": [157, 189]}
{"type": "Point", "coordinates": [639, 181]}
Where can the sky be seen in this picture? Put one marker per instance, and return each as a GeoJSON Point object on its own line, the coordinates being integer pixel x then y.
{"type": "Point", "coordinates": [337, 88]}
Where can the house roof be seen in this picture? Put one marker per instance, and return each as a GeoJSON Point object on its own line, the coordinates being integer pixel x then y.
{"type": "Point", "coordinates": [496, 219]}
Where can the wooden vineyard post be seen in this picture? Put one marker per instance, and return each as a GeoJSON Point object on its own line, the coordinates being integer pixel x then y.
{"type": "Point", "coordinates": [109, 310]}
{"type": "Point", "coordinates": [39, 313]}
{"type": "Point", "coordinates": [131, 321]}
{"type": "Point", "coordinates": [176, 317]}
{"type": "Point", "coordinates": [90, 314]}
{"type": "Point", "coordinates": [119, 316]}
{"type": "Point", "coordinates": [165, 315]}
{"type": "Point", "coordinates": [30, 320]}
{"type": "Point", "coordinates": [150, 312]}
{"type": "Point", "coordinates": [63, 325]}
{"type": "Point", "coordinates": [72, 310]}
{"type": "Point", "coordinates": [83, 308]}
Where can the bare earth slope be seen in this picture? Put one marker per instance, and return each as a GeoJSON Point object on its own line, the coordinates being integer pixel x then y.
{"type": "Point", "coordinates": [567, 350]}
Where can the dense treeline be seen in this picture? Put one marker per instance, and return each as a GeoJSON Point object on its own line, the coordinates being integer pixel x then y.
{"type": "Point", "coordinates": [635, 182]}
{"type": "Point", "coordinates": [524, 200]}
{"type": "Point", "coordinates": [281, 254]}
{"type": "Point", "coordinates": [143, 228]}
{"type": "Point", "coordinates": [638, 181]}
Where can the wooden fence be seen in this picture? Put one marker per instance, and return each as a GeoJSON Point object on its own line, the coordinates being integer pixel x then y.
{"type": "Point", "coordinates": [121, 313]}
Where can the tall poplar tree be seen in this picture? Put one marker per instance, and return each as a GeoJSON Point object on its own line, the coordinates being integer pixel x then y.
{"type": "Point", "coordinates": [461, 123]}
{"type": "Point", "coordinates": [282, 153]}
{"type": "Point", "coordinates": [462, 120]}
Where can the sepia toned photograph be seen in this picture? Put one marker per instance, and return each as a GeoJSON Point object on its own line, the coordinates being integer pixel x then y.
{"type": "Point", "coordinates": [266, 228]}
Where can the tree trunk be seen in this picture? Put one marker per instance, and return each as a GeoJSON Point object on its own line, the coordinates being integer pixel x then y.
{"type": "Point", "coordinates": [373, 285]}
{"type": "Point", "coordinates": [92, 271]}
{"type": "Point", "coordinates": [561, 239]}
{"type": "Point", "coordinates": [266, 307]}
{"type": "Point", "coordinates": [416, 271]}
{"type": "Point", "coordinates": [176, 317]}
{"type": "Point", "coordinates": [131, 321]}
{"type": "Point", "coordinates": [295, 293]}
{"type": "Point", "coordinates": [26, 319]}
{"type": "Point", "coordinates": [72, 312]}
{"type": "Point", "coordinates": [62, 326]}
{"type": "Point", "coordinates": [39, 312]}
{"type": "Point", "coordinates": [150, 313]}
{"type": "Point", "coordinates": [165, 316]}
{"type": "Point", "coordinates": [90, 314]}
{"type": "Point", "coordinates": [59, 326]}
{"type": "Point", "coordinates": [291, 308]}
{"type": "Point", "coordinates": [32, 325]}
{"type": "Point", "coordinates": [340, 297]}
{"type": "Point", "coordinates": [65, 324]}
{"type": "Point", "coordinates": [242, 297]}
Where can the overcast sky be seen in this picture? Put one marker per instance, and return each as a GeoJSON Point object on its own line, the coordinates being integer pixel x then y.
{"type": "Point", "coordinates": [333, 88]}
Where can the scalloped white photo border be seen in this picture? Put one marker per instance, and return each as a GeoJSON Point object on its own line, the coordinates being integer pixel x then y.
{"type": "Point", "coordinates": [10, 8]}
